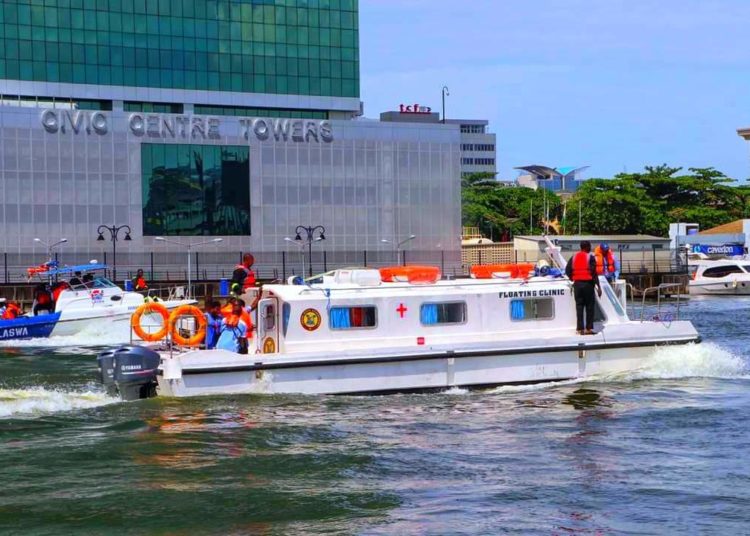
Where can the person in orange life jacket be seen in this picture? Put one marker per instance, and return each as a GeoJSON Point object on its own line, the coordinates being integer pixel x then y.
{"type": "Point", "coordinates": [58, 288]}
{"type": "Point", "coordinates": [42, 299]}
{"type": "Point", "coordinates": [228, 309]}
{"type": "Point", "coordinates": [606, 264]}
{"type": "Point", "coordinates": [12, 310]}
{"type": "Point", "coordinates": [581, 269]}
{"type": "Point", "coordinates": [213, 324]}
{"type": "Point", "coordinates": [139, 282]}
{"type": "Point", "coordinates": [243, 277]}
{"type": "Point", "coordinates": [233, 333]}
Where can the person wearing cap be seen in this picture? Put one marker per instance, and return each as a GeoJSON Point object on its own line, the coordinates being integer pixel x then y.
{"type": "Point", "coordinates": [606, 264]}
{"type": "Point", "coordinates": [581, 269]}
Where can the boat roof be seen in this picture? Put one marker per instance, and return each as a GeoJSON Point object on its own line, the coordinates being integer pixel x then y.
{"type": "Point", "coordinates": [69, 270]}
{"type": "Point", "coordinates": [291, 293]}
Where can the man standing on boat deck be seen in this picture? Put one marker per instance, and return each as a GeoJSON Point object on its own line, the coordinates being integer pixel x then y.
{"type": "Point", "coordinates": [581, 269]}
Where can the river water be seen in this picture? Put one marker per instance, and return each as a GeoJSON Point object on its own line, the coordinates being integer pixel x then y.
{"type": "Point", "coordinates": [661, 451]}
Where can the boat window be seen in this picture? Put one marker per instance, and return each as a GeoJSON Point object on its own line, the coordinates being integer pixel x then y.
{"type": "Point", "coordinates": [431, 314]}
{"type": "Point", "coordinates": [533, 309]}
{"type": "Point", "coordinates": [722, 271]}
{"type": "Point", "coordinates": [352, 317]}
{"type": "Point", "coordinates": [101, 282]}
{"type": "Point", "coordinates": [269, 317]}
{"type": "Point", "coordinates": [746, 267]}
{"type": "Point", "coordinates": [286, 311]}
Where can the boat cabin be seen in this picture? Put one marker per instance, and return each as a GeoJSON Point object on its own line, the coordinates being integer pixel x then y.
{"type": "Point", "coordinates": [356, 309]}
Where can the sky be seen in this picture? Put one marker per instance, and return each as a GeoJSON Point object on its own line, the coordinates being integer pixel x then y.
{"type": "Point", "coordinates": [616, 84]}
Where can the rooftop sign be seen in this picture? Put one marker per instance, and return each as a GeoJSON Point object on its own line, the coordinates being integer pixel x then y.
{"type": "Point", "coordinates": [414, 109]}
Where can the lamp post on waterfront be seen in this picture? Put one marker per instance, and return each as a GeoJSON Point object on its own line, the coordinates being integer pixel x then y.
{"type": "Point", "coordinates": [50, 247]}
{"type": "Point", "coordinates": [114, 230]}
{"type": "Point", "coordinates": [310, 238]}
{"type": "Point", "coordinates": [189, 247]}
{"type": "Point", "coordinates": [301, 248]}
{"type": "Point", "coordinates": [446, 93]}
{"type": "Point", "coordinates": [398, 245]}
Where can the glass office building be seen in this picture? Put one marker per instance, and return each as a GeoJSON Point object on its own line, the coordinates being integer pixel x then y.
{"type": "Point", "coordinates": [207, 118]}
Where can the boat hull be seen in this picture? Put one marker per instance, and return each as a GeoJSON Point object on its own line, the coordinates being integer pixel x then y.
{"type": "Point", "coordinates": [28, 327]}
{"type": "Point", "coordinates": [220, 373]}
{"type": "Point", "coordinates": [725, 288]}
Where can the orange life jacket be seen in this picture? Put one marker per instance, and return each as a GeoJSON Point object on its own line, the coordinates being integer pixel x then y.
{"type": "Point", "coordinates": [11, 311]}
{"type": "Point", "coordinates": [600, 257]}
{"type": "Point", "coordinates": [249, 280]}
{"type": "Point", "coordinates": [43, 297]}
{"type": "Point", "coordinates": [58, 290]}
{"type": "Point", "coordinates": [140, 284]}
{"type": "Point", "coordinates": [226, 311]}
{"type": "Point", "coordinates": [581, 270]}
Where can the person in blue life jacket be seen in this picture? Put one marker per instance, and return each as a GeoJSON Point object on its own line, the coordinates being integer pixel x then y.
{"type": "Point", "coordinates": [213, 324]}
{"type": "Point", "coordinates": [234, 331]}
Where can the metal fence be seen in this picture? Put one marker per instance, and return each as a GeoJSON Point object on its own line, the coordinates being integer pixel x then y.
{"type": "Point", "coordinates": [214, 266]}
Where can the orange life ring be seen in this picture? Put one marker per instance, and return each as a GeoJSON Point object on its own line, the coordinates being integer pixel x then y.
{"type": "Point", "coordinates": [185, 310]}
{"type": "Point", "coordinates": [135, 321]}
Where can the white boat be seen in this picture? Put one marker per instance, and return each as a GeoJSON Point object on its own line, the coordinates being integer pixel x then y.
{"type": "Point", "coordinates": [354, 333]}
{"type": "Point", "coordinates": [97, 302]}
{"type": "Point", "coordinates": [719, 277]}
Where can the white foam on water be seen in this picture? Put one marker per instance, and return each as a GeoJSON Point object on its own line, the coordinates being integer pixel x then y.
{"type": "Point", "coordinates": [706, 360]}
{"type": "Point", "coordinates": [37, 401]}
{"type": "Point", "coordinates": [534, 386]}
{"type": "Point", "coordinates": [94, 334]}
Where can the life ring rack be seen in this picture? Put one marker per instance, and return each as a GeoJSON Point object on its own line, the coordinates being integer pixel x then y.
{"type": "Point", "coordinates": [200, 319]}
{"type": "Point", "coordinates": [148, 308]}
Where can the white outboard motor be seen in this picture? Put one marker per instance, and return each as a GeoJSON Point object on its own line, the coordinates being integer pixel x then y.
{"type": "Point", "coordinates": [129, 371]}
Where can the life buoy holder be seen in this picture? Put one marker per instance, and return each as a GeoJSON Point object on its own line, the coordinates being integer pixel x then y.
{"type": "Point", "coordinates": [147, 308]}
{"type": "Point", "coordinates": [187, 310]}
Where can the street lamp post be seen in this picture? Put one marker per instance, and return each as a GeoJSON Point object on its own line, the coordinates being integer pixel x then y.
{"type": "Point", "coordinates": [445, 94]}
{"type": "Point", "coordinates": [398, 245]}
{"type": "Point", "coordinates": [49, 246]}
{"type": "Point", "coordinates": [300, 247]}
{"type": "Point", "coordinates": [113, 232]}
{"type": "Point", "coordinates": [189, 247]}
{"type": "Point", "coordinates": [310, 238]}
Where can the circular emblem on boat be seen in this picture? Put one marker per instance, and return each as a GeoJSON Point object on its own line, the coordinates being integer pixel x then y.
{"type": "Point", "coordinates": [310, 319]}
{"type": "Point", "coordinates": [269, 346]}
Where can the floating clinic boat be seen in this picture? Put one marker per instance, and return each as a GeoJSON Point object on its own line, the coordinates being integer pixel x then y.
{"type": "Point", "coordinates": [719, 277]}
{"type": "Point", "coordinates": [98, 301]}
{"type": "Point", "coordinates": [366, 331]}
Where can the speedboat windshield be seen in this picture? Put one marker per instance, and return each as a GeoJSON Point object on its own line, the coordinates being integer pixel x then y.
{"type": "Point", "coordinates": [102, 282]}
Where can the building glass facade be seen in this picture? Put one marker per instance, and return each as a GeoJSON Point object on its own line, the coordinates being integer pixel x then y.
{"type": "Point", "coordinates": [250, 46]}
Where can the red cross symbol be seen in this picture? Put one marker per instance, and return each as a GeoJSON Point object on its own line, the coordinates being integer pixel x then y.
{"type": "Point", "coordinates": [401, 310]}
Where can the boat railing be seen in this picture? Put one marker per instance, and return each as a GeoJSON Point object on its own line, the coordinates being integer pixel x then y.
{"type": "Point", "coordinates": [660, 293]}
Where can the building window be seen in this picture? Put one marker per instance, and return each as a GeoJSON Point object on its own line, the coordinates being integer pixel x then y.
{"type": "Point", "coordinates": [484, 161]}
{"type": "Point", "coordinates": [352, 317]}
{"type": "Point", "coordinates": [533, 309]}
{"type": "Point", "coordinates": [431, 314]}
{"type": "Point", "coordinates": [242, 111]}
{"type": "Point", "coordinates": [472, 129]}
{"type": "Point", "coordinates": [195, 190]}
{"type": "Point", "coordinates": [24, 101]}
{"type": "Point", "coordinates": [153, 107]}
{"type": "Point", "coordinates": [467, 161]}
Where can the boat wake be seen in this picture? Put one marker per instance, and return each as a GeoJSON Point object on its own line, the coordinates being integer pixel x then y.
{"type": "Point", "coordinates": [96, 334]}
{"type": "Point", "coordinates": [706, 360]}
{"type": "Point", "coordinates": [37, 401]}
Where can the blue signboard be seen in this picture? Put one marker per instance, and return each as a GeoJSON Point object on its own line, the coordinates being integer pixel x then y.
{"type": "Point", "coordinates": [727, 250]}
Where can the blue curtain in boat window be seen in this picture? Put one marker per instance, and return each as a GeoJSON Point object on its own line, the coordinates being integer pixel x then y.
{"type": "Point", "coordinates": [339, 318]}
{"type": "Point", "coordinates": [517, 310]}
{"type": "Point", "coordinates": [429, 314]}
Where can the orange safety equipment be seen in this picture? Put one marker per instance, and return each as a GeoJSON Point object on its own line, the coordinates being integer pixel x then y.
{"type": "Point", "coordinates": [188, 310]}
{"type": "Point", "coordinates": [489, 271]}
{"type": "Point", "coordinates": [148, 308]}
{"type": "Point", "coordinates": [411, 274]}
{"type": "Point", "coordinates": [62, 285]}
{"type": "Point", "coordinates": [581, 268]}
{"type": "Point", "coordinates": [140, 284]}
{"type": "Point", "coordinates": [249, 280]}
{"type": "Point", "coordinates": [12, 311]}
{"type": "Point", "coordinates": [600, 258]}
{"type": "Point", "coordinates": [226, 312]}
